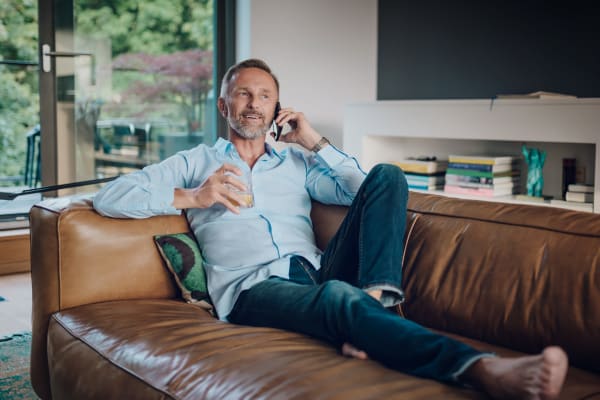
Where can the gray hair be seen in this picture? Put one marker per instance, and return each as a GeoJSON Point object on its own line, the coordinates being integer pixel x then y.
{"type": "Point", "coordinates": [249, 63]}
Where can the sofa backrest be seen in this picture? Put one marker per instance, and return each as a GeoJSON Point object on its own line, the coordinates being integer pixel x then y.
{"type": "Point", "coordinates": [520, 276]}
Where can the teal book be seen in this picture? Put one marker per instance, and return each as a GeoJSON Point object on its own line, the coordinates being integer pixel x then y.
{"type": "Point", "coordinates": [485, 174]}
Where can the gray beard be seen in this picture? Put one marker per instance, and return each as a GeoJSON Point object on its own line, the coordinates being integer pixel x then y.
{"type": "Point", "coordinates": [245, 131]}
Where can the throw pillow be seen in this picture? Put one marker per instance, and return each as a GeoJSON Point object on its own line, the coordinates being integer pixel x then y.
{"type": "Point", "coordinates": [183, 258]}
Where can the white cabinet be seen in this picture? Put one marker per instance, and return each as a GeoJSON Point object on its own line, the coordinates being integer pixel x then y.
{"type": "Point", "coordinates": [384, 131]}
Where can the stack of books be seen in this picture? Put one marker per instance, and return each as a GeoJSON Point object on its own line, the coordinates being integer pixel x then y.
{"type": "Point", "coordinates": [482, 175]}
{"type": "Point", "coordinates": [425, 173]}
{"type": "Point", "coordinates": [578, 197]}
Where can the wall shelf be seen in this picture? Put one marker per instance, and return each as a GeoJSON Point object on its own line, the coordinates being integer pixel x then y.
{"type": "Point", "coordinates": [384, 131]}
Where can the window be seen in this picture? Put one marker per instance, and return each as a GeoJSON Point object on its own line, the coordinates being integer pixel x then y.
{"type": "Point", "coordinates": [19, 100]}
{"type": "Point", "coordinates": [120, 84]}
{"type": "Point", "coordinates": [146, 89]}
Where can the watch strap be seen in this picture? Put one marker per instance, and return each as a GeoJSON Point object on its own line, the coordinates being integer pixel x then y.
{"type": "Point", "coordinates": [320, 144]}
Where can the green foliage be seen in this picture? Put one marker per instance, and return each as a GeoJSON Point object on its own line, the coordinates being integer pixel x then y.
{"type": "Point", "coordinates": [19, 100]}
{"type": "Point", "coordinates": [152, 27]}
{"type": "Point", "coordinates": [161, 33]}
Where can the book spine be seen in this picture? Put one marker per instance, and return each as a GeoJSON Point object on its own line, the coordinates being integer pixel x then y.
{"type": "Point", "coordinates": [420, 169]}
{"type": "Point", "coordinates": [476, 167]}
{"type": "Point", "coordinates": [471, 184]}
{"type": "Point", "coordinates": [487, 192]}
{"type": "Point", "coordinates": [480, 160]}
{"type": "Point", "coordinates": [579, 197]}
{"type": "Point", "coordinates": [470, 160]}
{"type": "Point", "coordinates": [588, 207]}
{"type": "Point", "coordinates": [429, 175]}
{"type": "Point", "coordinates": [460, 179]}
{"type": "Point", "coordinates": [468, 172]}
{"type": "Point", "coordinates": [575, 187]}
{"type": "Point", "coordinates": [424, 179]}
{"type": "Point", "coordinates": [426, 187]}
{"type": "Point", "coordinates": [465, 190]}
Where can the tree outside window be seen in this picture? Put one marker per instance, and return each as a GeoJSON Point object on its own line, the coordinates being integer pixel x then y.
{"type": "Point", "coordinates": [19, 100]}
{"type": "Point", "coordinates": [162, 58]}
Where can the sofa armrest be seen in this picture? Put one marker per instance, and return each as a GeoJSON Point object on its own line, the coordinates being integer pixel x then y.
{"type": "Point", "coordinates": [79, 257]}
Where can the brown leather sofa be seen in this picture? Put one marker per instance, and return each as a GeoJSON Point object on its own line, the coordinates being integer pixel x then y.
{"type": "Point", "coordinates": [108, 323]}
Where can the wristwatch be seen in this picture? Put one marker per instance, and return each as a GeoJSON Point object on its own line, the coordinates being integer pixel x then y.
{"type": "Point", "coordinates": [320, 144]}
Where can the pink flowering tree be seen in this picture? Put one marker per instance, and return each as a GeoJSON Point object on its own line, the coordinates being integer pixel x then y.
{"type": "Point", "coordinates": [183, 77]}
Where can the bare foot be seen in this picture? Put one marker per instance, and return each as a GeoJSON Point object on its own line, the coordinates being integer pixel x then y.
{"type": "Point", "coordinates": [350, 351]}
{"type": "Point", "coordinates": [538, 377]}
{"type": "Point", "coordinates": [376, 294]}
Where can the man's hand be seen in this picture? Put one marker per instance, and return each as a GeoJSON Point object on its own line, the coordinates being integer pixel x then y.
{"type": "Point", "coordinates": [217, 189]}
{"type": "Point", "coordinates": [301, 133]}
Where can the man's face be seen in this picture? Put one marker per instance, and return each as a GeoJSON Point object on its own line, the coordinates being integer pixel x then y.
{"type": "Point", "coordinates": [250, 102]}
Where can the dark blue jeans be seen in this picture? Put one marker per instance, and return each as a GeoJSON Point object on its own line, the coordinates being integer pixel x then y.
{"type": "Point", "coordinates": [331, 304]}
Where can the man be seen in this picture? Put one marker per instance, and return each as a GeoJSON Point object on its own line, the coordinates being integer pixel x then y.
{"type": "Point", "coordinates": [263, 267]}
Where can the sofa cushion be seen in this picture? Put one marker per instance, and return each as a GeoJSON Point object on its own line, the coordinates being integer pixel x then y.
{"type": "Point", "coordinates": [183, 258]}
{"type": "Point", "coordinates": [523, 277]}
{"type": "Point", "coordinates": [184, 353]}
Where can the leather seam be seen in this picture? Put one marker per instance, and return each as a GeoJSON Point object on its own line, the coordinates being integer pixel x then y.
{"type": "Point", "coordinates": [400, 308]}
{"type": "Point", "coordinates": [433, 213]}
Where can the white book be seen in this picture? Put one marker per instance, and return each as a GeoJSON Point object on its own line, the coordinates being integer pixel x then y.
{"type": "Point", "coordinates": [580, 187]}
{"type": "Point", "coordinates": [420, 166]}
{"type": "Point", "coordinates": [572, 205]}
{"type": "Point", "coordinates": [580, 197]}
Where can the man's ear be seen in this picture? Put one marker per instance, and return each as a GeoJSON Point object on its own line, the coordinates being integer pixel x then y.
{"type": "Point", "coordinates": [222, 107]}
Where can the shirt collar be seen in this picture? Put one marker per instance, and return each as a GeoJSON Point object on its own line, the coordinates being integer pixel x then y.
{"type": "Point", "coordinates": [271, 151]}
{"type": "Point", "coordinates": [224, 146]}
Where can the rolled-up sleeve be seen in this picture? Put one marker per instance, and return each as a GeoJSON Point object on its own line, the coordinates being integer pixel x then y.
{"type": "Point", "coordinates": [333, 177]}
{"type": "Point", "coordinates": [144, 193]}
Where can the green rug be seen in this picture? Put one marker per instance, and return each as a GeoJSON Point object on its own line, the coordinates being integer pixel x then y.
{"type": "Point", "coordinates": [14, 367]}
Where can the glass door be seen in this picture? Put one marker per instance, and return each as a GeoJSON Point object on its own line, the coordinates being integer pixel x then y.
{"type": "Point", "coordinates": [19, 102]}
{"type": "Point", "coordinates": [95, 88]}
{"type": "Point", "coordinates": [124, 83]}
{"type": "Point", "coordinates": [20, 167]}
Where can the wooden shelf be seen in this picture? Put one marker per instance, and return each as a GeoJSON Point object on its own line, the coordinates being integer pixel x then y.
{"type": "Point", "coordinates": [498, 199]}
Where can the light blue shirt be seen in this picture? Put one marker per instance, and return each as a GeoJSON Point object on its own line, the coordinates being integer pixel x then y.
{"type": "Point", "coordinates": [242, 250]}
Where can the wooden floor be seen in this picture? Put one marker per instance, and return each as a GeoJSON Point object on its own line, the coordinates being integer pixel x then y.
{"type": "Point", "coordinates": [15, 310]}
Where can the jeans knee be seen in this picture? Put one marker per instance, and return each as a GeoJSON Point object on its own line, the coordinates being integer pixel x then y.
{"type": "Point", "coordinates": [389, 176]}
{"type": "Point", "coordinates": [388, 172]}
{"type": "Point", "coordinates": [341, 294]}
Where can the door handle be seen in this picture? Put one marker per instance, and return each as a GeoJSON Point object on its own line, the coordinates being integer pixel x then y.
{"type": "Point", "coordinates": [47, 65]}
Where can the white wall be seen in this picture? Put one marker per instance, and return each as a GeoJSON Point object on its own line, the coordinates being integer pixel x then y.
{"type": "Point", "coordinates": [324, 53]}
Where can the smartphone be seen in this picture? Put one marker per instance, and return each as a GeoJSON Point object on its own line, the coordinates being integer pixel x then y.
{"type": "Point", "coordinates": [277, 129]}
